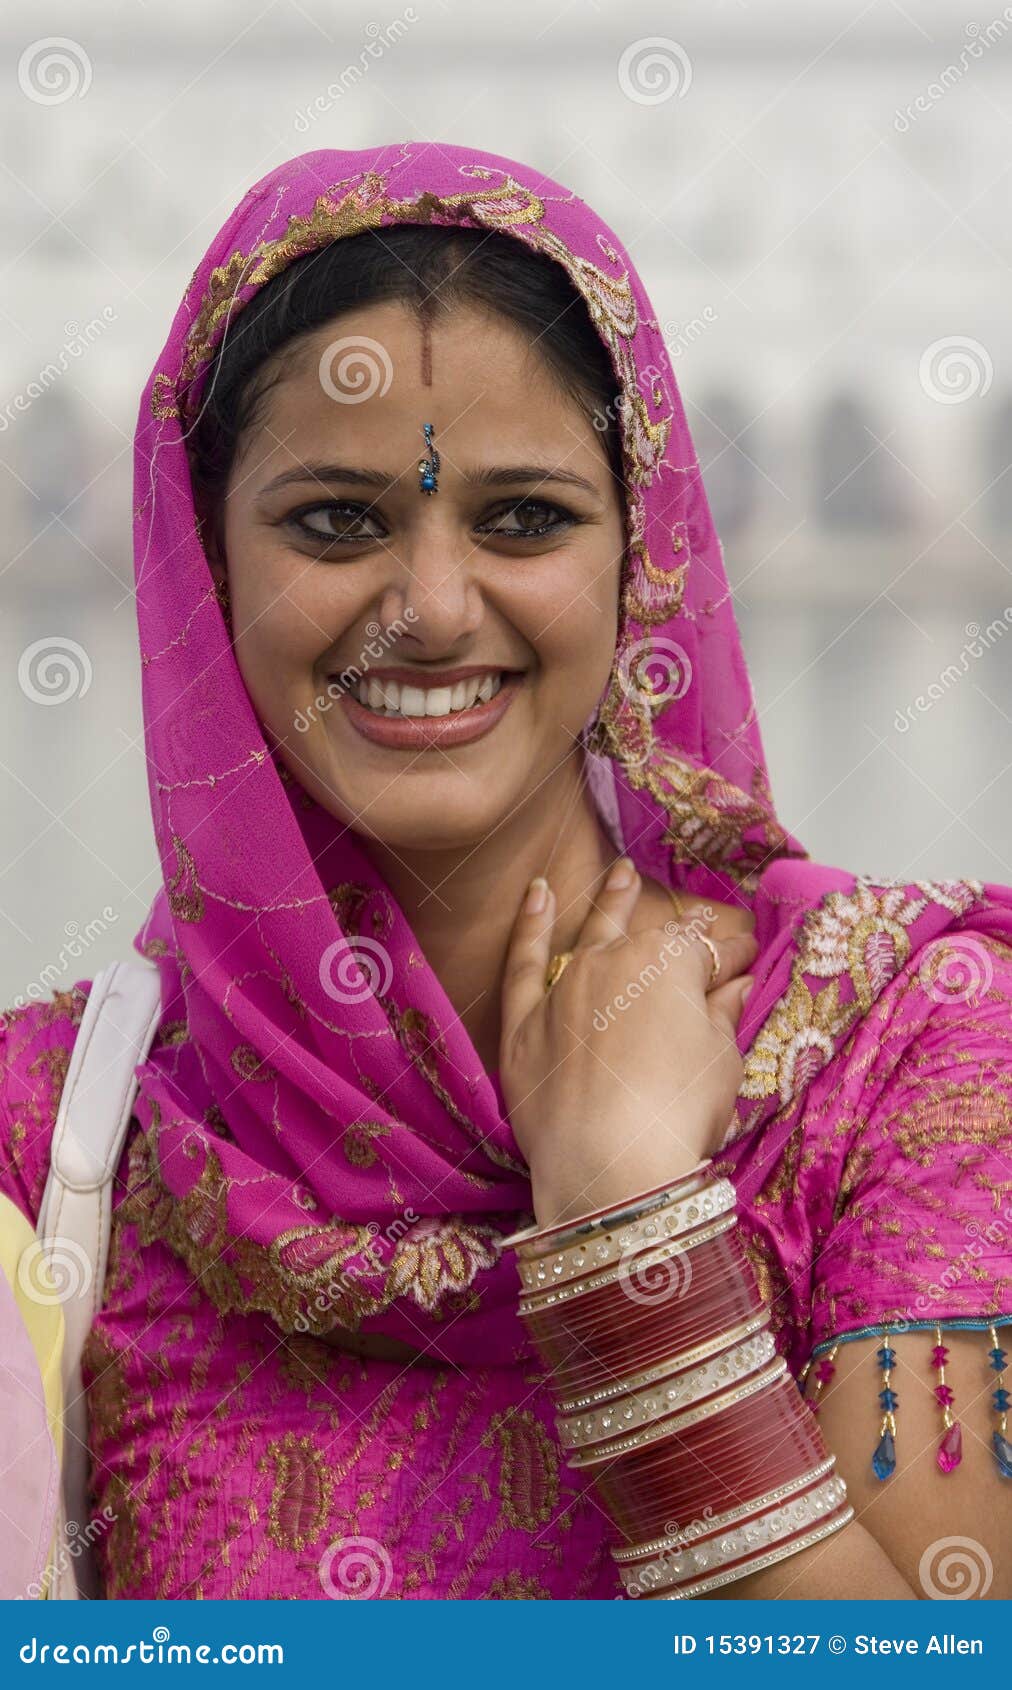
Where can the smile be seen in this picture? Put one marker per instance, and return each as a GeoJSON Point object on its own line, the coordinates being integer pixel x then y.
{"type": "Point", "coordinates": [435, 711]}
{"type": "Point", "coordinates": [396, 698]}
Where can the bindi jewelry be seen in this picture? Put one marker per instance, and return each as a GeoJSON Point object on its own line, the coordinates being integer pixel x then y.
{"type": "Point", "coordinates": [428, 467]}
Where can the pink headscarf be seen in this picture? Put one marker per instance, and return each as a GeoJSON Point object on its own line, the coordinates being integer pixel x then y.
{"type": "Point", "coordinates": [329, 1145]}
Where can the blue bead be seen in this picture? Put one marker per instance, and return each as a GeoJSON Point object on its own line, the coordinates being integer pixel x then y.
{"type": "Point", "coordinates": [889, 1400]}
{"type": "Point", "coordinates": [886, 1357]}
{"type": "Point", "coordinates": [884, 1459]}
{"type": "Point", "coordinates": [1001, 1399]}
{"type": "Point", "coordinates": [998, 1361]}
{"type": "Point", "coordinates": [1002, 1454]}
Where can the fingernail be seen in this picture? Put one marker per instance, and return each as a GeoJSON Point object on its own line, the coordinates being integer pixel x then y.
{"type": "Point", "coordinates": [621, 874]}
{"type": "Point", "coordinates": [537, 896]}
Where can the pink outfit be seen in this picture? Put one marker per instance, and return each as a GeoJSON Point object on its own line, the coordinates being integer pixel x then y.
{"type": "Point", "coordinates": [317, 1145]}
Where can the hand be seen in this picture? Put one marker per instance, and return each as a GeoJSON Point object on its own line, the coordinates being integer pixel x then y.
{"type": "Point", "coordinates": [625, 1074]}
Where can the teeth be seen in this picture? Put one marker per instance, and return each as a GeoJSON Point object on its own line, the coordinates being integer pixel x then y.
{"type": "Point", "coordinates": [392, 698]}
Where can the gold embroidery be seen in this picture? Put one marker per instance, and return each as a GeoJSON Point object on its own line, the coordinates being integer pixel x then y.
{"type": "Point", "coordinates": [860, 936]}
{"type": "Point", "coordinates": [301, 1492]}
{"type": "Point", "coordinates": [186, 900]}
{"type": "Point", "coordinates": [528, 1468]}
{"type": "Point", "coordinates": [163, 396]}
{"type": "Point", "coordinates": [515, 1586]}
{"type": "Point", "coordinates": [248, 1065]}
{"type": "Point", "coordinates": [302, 1278]}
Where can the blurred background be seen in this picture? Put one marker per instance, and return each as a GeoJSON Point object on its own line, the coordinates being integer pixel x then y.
{"type": "Point", "coordinates": [818, 199]}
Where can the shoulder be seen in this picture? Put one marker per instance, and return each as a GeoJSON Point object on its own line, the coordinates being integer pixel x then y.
{"type": "Point", "coordinates": [921, 1217]}
{"type": "Point", "coordinates": [36, 1043]}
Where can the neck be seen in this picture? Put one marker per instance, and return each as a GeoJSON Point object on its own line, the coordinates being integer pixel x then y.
{"type": "Point", "coordinates": [461, 904]}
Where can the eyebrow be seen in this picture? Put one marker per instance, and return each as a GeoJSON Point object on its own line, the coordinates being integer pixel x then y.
{"type": "Point", "coordinates": [497, 476]}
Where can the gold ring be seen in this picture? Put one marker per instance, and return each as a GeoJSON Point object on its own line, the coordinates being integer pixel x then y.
{"type": "Point", "coordinates": [715, 970]}
{"type": "Point", "coordinates": [556, 967]}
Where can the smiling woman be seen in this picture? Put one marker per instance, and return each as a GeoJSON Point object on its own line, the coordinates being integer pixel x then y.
{"type": "Point", "coordinates": [505, 585]}
{"type": "Point", "coordinates": [470, 865]}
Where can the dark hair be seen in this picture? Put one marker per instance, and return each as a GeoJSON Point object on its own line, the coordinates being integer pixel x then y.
{"type": "Point", "coordinates": [429, 269]}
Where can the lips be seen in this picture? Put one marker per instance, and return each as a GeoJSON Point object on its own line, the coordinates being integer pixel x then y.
{"type": "Point", "coordinates": [420, 732]}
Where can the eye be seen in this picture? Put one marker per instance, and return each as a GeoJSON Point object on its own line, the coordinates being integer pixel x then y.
{"type": "Point", "coordinates": [527, 519]}
{"type": "Point", "coordinates": [349, 523]}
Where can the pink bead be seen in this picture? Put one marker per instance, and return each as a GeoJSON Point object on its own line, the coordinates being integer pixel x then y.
{"type": "Point", "coordinates": [950, 1450]}
{"type": "Point", "coordinates": [825, 1370]}
{"type": "Point", "coordinates": [944, 1395]}
{"type": "Point", "coordinates": [939, 1356]}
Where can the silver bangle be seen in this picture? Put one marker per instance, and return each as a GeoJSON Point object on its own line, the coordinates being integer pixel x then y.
{"type": "Point", "coordinates": [678, 1539]}
{"type": "Point", "coordinates": [699, 1587]}
{"type": "Point", "coordinates": [639, 1234]}
{"type": "Point", "coordinates": [650, 1375]}
{"type": "Point", "coordinates": [565, 1233]}
{"type": "Point", "coordinates": [678, 1423]}
{"type": "Point", "coordinates": [579, 1288]}
{"type": "Point", "coordinates": [629, 1413]}
{"type": "Point", "coordinates": [782, 1521]}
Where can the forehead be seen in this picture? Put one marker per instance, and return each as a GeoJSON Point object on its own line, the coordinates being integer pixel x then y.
{"type": "Point", "coordinates": [369, 376]}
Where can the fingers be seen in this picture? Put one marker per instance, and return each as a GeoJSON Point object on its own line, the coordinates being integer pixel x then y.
{"type": "Point", "coordinates": [737, 954]}
{"type": "Point", "coordinates": [725, 1004]}
{"type": "Point", "coordinates": [613, 906]}
{"type": "Point", "coordinates": [527, 956]}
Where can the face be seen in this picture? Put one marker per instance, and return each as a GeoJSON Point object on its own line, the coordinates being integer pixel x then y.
{"type": "Point", "coordinates": [424, 662]}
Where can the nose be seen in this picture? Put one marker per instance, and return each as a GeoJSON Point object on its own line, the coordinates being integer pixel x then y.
{"type": "Point", "coordinates": [434, 590]}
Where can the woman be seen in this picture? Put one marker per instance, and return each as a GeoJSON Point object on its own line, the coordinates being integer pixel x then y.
{"type": "Point", "coordinates": [444, 704]}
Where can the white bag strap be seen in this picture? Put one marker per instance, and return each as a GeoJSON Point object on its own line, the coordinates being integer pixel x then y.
{"type": "Point", "coordinates": [114, 1036]}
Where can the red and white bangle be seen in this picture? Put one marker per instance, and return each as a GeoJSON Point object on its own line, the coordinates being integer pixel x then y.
{"type": "Point", "coordinates": [669, 1390]}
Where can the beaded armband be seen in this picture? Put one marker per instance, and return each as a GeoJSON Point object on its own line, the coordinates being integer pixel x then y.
{"type": "Point", "coordinates": [820, 1370]}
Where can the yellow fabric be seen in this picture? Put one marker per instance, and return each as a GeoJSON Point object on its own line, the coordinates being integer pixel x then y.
{"type": "Point", "coordinates": [43, 1319]}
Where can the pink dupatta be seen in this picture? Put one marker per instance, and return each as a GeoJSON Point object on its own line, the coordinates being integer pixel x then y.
{"type": "Point", "coordinates": [300, 1142]}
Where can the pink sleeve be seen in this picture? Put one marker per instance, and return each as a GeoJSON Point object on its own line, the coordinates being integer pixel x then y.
{"type": "Point", "coordinates": [921, 1230]}
{"type": "Point", "coordinates": [36, 1042]}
